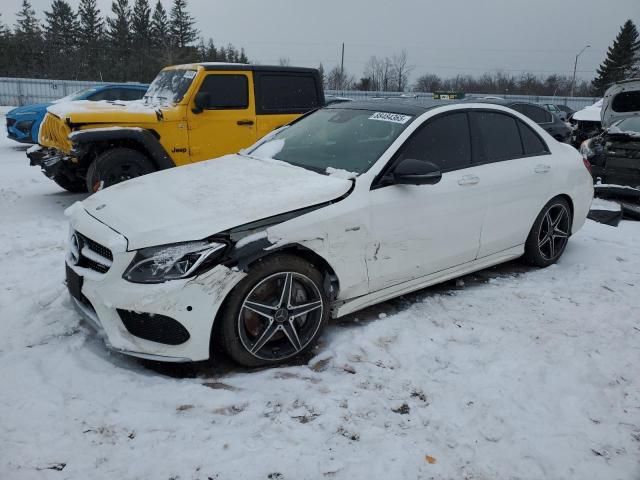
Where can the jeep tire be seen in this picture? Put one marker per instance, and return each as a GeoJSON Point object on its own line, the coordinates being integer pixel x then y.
{"type": "Point", "coordinates": [116, 165]}
{"type": "Point", "coordinates": [76, 185]}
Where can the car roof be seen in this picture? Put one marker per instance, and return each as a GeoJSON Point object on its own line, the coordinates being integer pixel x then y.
{"type": "Point", "coordinates": [401, 106]}
{"type": "Point", "coordinates": [126, 85]}
{"type": "Point", "coordinates": [212, 66]}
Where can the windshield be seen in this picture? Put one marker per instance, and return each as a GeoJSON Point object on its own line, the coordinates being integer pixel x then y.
{"type": "Point", "coordinates": [77, 95]}
{"type": "Point", "coordinates": [628, 125]}
{"type": "Point", "coordinates": [169, 87]}
{"type": "Point", "coordinates": [334, 138]}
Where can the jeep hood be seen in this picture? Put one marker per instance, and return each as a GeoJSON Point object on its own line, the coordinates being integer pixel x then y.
{"type": "Point", "coordinates": [621, 100]}
{"type": "Point", "coordinates": [202, 199]}
{"type": "Point", "coordinates": [85, 111]}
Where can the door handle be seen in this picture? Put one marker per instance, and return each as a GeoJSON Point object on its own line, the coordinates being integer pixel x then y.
{"type": "Point", "coordinates": [542, 168]}
{"type": "Point", "coordinates": [468, 180]}
{"type": "Point", "coordinates": [245, 122]}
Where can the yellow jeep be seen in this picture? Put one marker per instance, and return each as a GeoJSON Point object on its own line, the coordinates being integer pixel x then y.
{"type": "Point", "coordinates": [190, 113]}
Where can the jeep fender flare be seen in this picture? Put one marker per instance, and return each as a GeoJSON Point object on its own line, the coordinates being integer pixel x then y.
{"type": "Point", "coordinates": [153, 148]}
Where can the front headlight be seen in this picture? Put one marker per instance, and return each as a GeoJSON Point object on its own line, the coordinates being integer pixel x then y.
{"type": "Point", "coordinates": [171, 262]}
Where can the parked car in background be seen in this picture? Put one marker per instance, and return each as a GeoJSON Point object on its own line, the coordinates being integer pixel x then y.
{"type": "Point", "coordinates": [543, 117]}
{"type": "Point", "coordinates": [332, 99]}
{"type": "Point", "coordinates": [190, 113]}
{"type": "Point", "coordinates": [615, 153]}
{"type": "Point", "coordinates": [586, 123]}
{"type": "Point", "coordinates": [561, 111]}
{"type": "Point", "coordinates": [351, 205]}
{"type": "Point", "coordinates": [23, 123]}
{"type": "Point", "coordinates": [566, 109]}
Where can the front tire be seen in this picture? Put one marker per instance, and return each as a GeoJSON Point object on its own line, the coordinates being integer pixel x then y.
{"type": "Point", "coordinates": [550, 233]}
{"type": "Point", "coordinates": [276, 313]}
{"type": "Point", "coordinates": [76, 185]}
{"type": "Point", "coordinates": [115, 166]}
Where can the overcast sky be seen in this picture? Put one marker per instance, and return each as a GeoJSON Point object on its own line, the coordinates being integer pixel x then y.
{"type": "Point", "coordinates": [447, 38]}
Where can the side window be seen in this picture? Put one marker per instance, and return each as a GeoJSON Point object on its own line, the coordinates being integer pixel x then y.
{"type": "Point", "coordinates": [533, 144]}
{"type": "Point", "coordinates": [132, 94]}
{"type": "Point", "coordinates": [226, 91]}
{"type": "Point", "coordinates": [444, 140]}
{"type": "Point", "coordinates": [287, 93]}
{"type": "Point", "coordinates": [106, 94]}
{"type": "Point", "coordinates": [537, 114]}
{"type": "Point", "coordinates": [500, 135]}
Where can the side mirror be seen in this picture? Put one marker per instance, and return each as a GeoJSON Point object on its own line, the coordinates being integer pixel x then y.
{"type": "Point", "coordinates": [415, 172]}
{"type": "Point", "coordinates": [201, 102]}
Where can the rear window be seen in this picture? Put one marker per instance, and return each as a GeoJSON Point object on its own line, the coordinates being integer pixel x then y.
{"type": "Point", "coordinates": [500, 134]}
{"type": "Point", "coordinates": [287, 93]}
{"type": "Point", "coordinates": [532, 143]}
{"type": "Point", "coordinates": [626, 102]}
{"type": "Point", "coordinates": [537, 114]}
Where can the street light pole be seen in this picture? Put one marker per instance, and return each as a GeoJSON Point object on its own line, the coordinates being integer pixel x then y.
{"type": "Point", "coordinates": [575, 66]}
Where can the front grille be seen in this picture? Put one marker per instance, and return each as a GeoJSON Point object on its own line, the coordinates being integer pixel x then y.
{"type": "Point", "coordinates": [91, 254]}
{"type": "Point", "coordinates": [157, 328]}
{"type": "Point", "coordinates": [54, 133]}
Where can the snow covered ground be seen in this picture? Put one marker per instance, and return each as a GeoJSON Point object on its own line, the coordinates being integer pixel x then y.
{"type": "Point", "coordinates": [510, 373]}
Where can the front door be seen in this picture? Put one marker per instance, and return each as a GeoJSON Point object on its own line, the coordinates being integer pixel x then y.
{"type": "Point", "coordinates": [228, 123]}
{"type": "Point", "coordinates": [417, 230]}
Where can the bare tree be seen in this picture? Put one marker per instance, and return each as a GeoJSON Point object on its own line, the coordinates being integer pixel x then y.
{"type": "Point", "coordinates": [428, 83]}
{"type": "Point", "coordinates": [339, 80]}
{"type": "Point", "coordinates": [284, 61]}
{"type": "Point", "coordinates": [400, 70]}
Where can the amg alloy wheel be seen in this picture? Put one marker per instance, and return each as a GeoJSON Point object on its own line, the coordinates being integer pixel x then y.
{"type": "Point", "coordinates": [277, 314]}
{"type": "Point", "coordinates": [550, 233]}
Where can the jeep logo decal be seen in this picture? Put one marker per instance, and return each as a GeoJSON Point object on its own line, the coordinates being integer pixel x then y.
{"type": "Point", "coordinates": [179, 150]}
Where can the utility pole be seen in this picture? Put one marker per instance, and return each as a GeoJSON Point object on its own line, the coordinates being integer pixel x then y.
{"type": "Point", "coordinates": [342, 68]}
{"type": "Point", "coordinates": [575, 66]}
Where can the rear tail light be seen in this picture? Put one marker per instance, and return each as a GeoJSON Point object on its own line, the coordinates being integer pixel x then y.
{"type": "Point", "coordinates": [587, 164]}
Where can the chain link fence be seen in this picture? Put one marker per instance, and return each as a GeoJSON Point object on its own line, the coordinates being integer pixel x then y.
{"type": "Point", "coordinates": [575, 103]}
{"type": "Point", "coordinates": [26, 91]}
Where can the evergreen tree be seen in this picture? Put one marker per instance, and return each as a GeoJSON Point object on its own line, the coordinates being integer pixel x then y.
{"type": "Point", "coordinates": [161, 37]}
{"type": "Point", "coordinates": [90, 40]}
{"type": "Point", "coordinates": [183, 31]}
{"type": "Point", "coordinates": [28, 36]}
{"type": "Point", "coordinates": [243, 56]}
{"type": "Point", "coordinates": [212, 51]}
{"type": "Point", "coordinates": [119, 36]}
{"type": "Point", "coordinates": [143, 67]}
{"type": "Point", "coordinates": [620, 58]}
{"type": "Point", "coordinates": [60, 34]}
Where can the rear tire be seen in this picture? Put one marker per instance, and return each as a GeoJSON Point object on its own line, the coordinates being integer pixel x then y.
{"type": "Point", "coordinates": [76, 185]}
{"type": "Point", "coordinates": [550, 233]}
{"type": "Point", "coordinates": [262, 324]}
{"type": "Point", "coordinates": [115, 166]}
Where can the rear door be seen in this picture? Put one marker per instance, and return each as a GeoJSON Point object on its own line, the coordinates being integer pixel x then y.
{"type": "Point", "coordinates": [228, 123]}
{"type": "Point", "coordinates": [515, 167]}
{"type": "Point", "coordinates": [281, 97]}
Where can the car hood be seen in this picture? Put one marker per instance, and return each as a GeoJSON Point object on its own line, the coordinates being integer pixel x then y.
{"type": "Point", "coordinates": [85, 111]}
{"type": "Point", "coordinates": [620, 101]}
{"type": "Point", "coordinates": [28, 110]}
{"type": "Point", "coordinates": [590, 113]}
{"type": "Point", "coordinates": [199, 200]}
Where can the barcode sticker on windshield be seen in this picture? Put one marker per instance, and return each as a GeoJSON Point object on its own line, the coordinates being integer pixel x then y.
{"type": "Point", "coordinates": [390, 117]}
{"type": "Point", "coordinates": [189, 74]}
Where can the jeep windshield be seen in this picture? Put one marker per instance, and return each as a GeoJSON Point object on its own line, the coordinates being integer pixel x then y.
{"type": "Point", "coordinates": [169, 87]}
{"type": "Point", "coordinates": [334, 138]}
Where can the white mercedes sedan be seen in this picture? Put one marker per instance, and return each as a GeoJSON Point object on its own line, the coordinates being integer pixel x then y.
{"type": "Point", "coordinates": [348, 206]}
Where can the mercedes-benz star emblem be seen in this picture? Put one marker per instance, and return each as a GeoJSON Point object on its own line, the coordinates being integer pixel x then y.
{"type": "Point", "coordinates": [74, 250]}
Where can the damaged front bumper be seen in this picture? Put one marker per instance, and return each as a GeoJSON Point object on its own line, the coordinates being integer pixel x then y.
{"type": "Point", "coordinates": [50, 160]}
